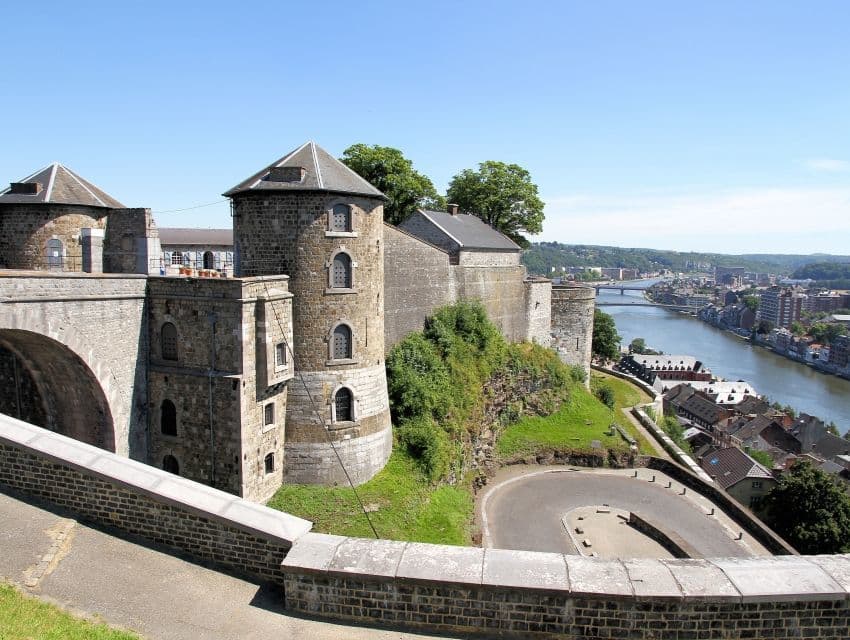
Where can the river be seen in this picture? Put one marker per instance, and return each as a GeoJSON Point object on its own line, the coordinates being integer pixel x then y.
{"type": "Point", "coordinates": [732, 358]}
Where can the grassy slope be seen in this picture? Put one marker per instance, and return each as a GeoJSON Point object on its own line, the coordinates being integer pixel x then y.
{"type": "Point", "coordinates": [408, 508]}
{"type": "Point", "coordinates": [25, 618]}
{"type": "Point", "coordinates": [579, 422]}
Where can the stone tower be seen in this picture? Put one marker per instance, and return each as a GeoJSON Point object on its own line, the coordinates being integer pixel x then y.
{"type": "Point", "coordinates": [572, 324]}
{"type": "Point", "coordinates": [310, 217]}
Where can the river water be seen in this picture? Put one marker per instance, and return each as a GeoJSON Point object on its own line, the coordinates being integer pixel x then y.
{"type": "Point", "coordinates": [732, 358]}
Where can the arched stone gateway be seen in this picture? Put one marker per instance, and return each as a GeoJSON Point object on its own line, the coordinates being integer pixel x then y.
{"type": "Point", "coordinates": [47, 383]}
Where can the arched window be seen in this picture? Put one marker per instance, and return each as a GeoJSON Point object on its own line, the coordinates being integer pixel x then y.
{"type": "Point", "coordinates": [168, 418]}
{"type": "Point", "coordinates": [55, 253]}
{"type": "Point", "coordinates": [341, 218]}
{"type": "Point", "coordinates": [341, 347]}
{"type": "Point", "coordinates": [168, 341]}
{"type": "Point", "coordinates": [209, 260]}
{"type": "Point", "coordinates": [341, 271]}
{"type": "Point", "coordinates": [269, 463]}
{"type": "Point", "coordinates": [343, 402]}
{"type": "Point", "coordinates": [170, 464]}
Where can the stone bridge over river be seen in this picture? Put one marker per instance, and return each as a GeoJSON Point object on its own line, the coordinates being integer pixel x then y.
{"type": "Point", "coordinates": [73, 354]}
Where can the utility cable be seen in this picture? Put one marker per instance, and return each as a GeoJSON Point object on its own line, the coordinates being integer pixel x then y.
{"type": "Point", "coordinates": [315, 408]}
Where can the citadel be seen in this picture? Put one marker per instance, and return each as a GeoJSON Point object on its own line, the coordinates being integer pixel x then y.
{"type": "Point", "coordinates": [273, 373]}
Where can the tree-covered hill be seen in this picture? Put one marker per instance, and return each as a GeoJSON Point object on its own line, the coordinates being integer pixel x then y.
{"type": "Point", "coordinates": [542, 256]}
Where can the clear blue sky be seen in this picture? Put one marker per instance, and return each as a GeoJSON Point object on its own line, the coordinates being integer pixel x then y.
{"type": "Point", "coordinates": [720, 126]}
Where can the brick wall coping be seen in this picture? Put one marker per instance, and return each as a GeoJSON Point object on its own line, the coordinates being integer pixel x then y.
{"type": "Point", "coordinates": [157, 484]}
{"type": "Point", "coordinates": [718, 580]}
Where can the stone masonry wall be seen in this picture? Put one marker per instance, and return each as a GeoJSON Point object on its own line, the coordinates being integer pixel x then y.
{"type": "Point", "coordinates": [224, 377]}
{"type": "Point", "coordinates": [317, 463]}
{"type": "Point", "coordinates": [206, 524]}
{"type": "Point", "coordinates": [131, 243]}
{"type": "Point", "coordinates": [479, 258]}
{"type": "Point", "coordinates": [96, 325]}
{"type": "Point", "coordinates": [419, 226]}
{"type": "Point", "coordinates": [418, 279]}
{"type": "Point", "coordinates": [528, 594]}
{"type": "Point", "coordinates": [538, 310]}
{"type": "Point", "coordinates": [572, 324]}
{"type": "Point", "coordinates": [25, 230]}
{"type": "Point", "coordinates": [501, 291]}
{"type": "Point", "coordinates": [290, 232]}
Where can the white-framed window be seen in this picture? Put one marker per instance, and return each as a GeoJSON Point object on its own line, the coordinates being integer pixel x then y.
{"type": "Point", "coordinates": [177, 258]}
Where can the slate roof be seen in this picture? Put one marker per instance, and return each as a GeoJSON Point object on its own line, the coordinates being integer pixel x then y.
{"type": "Point", "coordinates": [729, 466]}
{"type": "Point", "coordinates": [748, 429]}
{"type": "Point", "coordinates": [59, 185]}
{"type": "Point", "coordinates": [469, 231]}
{"type": "Point", "coordinates": [703, 408]}
{"type": "Point", "coordinates": [184, 236]}
{"type": "Point", "coordinates": [322, 172]}
{"type": "Point", "coordinates": [752, 405]}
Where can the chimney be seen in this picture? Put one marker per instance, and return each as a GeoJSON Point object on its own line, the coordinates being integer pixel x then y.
{"type": "Point", "coordinates": [453, 209]}
{"type": "Point", "coordinates": [286, 174]}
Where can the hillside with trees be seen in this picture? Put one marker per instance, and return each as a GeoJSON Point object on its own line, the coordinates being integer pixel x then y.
{"type": "Point", "coordinates": [543, 256]}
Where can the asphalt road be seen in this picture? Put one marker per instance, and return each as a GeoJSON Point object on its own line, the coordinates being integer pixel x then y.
{"type": "Point", "coordinates": [525, 513]}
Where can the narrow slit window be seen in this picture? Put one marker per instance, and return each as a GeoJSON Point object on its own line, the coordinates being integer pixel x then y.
{"type": "Point", "coordinates": [168, 418]}
{"type": "Point", "coordinates": [280, 354]}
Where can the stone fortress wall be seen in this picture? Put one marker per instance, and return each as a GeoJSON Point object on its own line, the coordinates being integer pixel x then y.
{"type": "Point", "coordinates": [305, 245]}
{"type": "Point", "coordinates": [572, 324]}
{"type": "Point", "coordinates": [434, 588]}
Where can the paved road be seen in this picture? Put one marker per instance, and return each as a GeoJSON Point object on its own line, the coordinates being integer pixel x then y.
{"type": "Point", "coordinates": [153, 593]}
{"type": "Point", "coordinates": [525, 512]}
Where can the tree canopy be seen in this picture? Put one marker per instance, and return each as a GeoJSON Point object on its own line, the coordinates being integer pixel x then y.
{"type": "Point", "coordinates": [810, 511]}
{"type": "Point", "coordinates": [606, 341]}
{"type": "Point", "coordinates": [389, 171]}
{"type": "Point", "coordinates": [502, 195]}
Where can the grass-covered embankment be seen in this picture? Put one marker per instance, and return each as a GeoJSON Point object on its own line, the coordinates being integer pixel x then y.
{"type": "Point", "coordinates": [25, 618]}
{"type": "Point", "coordinates": [403, 505]}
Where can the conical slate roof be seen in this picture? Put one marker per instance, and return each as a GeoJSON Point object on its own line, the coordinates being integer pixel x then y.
{"type": "Point", "coordinates": [57, 184]}
{"type": "Point", "coordinates": [320, 171]}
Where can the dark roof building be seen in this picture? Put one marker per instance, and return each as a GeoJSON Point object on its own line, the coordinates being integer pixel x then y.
{"type": "Point", "coordinates": [737, 473]}
{"type": "Point", "coordinates": [703, 411]}
{"type": "Point", "coordinates": [307, 168]}
{"type": "Point", "coordinates": [57, 184]}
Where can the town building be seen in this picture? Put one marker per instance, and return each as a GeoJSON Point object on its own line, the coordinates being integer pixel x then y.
{"type": "Point", "coordinates": [738, 474]}
{"type": "Point", "coordinates": [781, 306]}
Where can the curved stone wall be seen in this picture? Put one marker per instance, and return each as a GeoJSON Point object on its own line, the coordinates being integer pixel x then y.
{"type": "Point", "coordinates": [433, 587]}
{"type": "Point", "coordinates": [572, 324]}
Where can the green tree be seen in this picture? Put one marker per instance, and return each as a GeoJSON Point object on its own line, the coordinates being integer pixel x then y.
{"type": "Point", "coordinates": [638, 345]}
{"type": "Point", "coordinates": [764, 327]}
{"type": "Point", "coordinates": [762, 457]}
{"type": "Point", "coordinates": [389, 171]}
{"type": "Point", "coordinates": [502, 195]}
{"type": "Point", "coordinates": [797, 328]}
{"type": "Point", "coordinates": [606, 341]}
{"type": "Point", "coordinates": [752, 302]}
{"type": "Point", "coordinates": [810, 511]}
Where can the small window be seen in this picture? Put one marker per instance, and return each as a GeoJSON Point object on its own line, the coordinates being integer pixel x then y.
{"type": "Point", "coordinates": [342, 343]}
{"type": "Point", "coordinates": [168, 418]}
{"type": "Point", "coordinates": [55, 253]}
{"type": "Point", "coordinates": [209, 260]}
{"type": "Point", "coordinates": [170, 464]}
{"type": "Point", "coordinates": [341, 218]}
{"type": "Point", "coordinates": [280, 354]}
{"type": "Point", "coordinates": [756, 484]}
{"type": "Point", "coordinates": [168, 339]}
{"type": "Point", "coordinates": [177, 258]}
{"type": "Point", "coordinates": [342, 404]}
{"type": "Point", "coordinates": [269, 463]}
{"type": "Point", "coordinates": [268, 414]}
{"type": "Point", "coordinates": [341, 271]}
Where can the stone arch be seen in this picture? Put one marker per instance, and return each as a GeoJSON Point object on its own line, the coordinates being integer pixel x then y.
{"type": "Point", "coordinates": [60, 387]}
{"type": "Point", "coordinates": [343, 405]}
{"type": "Point", "coordinates": [341, 336]}
{"type": "Point", "coordinates": [341, 268]}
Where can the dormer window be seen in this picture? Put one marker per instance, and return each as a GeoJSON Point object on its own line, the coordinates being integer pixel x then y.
{"type": "Point", "coordinates": [286, 174]}
{"type": "Point", "coordinates": [25, 188]}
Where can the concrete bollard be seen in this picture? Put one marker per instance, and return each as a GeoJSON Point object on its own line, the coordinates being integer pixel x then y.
{"type": "Point", "coordinates": [653, 479]}
{"type": "Point", "coordinates": [684, 490]}
{"type": "Point", "coordinates": [635, 476]}
{"type": "Point", "coordinates": [740, 535]}
{"type": "Point", "coordinates": [711, 513]}
{"type": "Point", "coordinates": [669, 483]}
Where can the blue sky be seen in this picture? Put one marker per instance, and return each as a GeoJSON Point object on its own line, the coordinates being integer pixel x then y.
{"type": "Point", "coordinates": [717, 126]}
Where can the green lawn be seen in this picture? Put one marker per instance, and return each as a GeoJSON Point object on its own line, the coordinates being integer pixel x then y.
{"type": "Point", "coordinates": [402, 505]}
{"type": "Point", "coordinates": [26, 618]}
{"type": "Point", "coordinates": [579, 422]}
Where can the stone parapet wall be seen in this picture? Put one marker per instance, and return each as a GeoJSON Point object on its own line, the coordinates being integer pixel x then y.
{"type": "Point", "coordinates": [538, 311]}
{"type": "Point", "coordinates": [316, 462]}
{"type": "Point", "coordinates": [204, 523]}
{"type": "Point", "coordinates": [529, 594]}
{"type": "Point", "coordinates": [481, 258]}
{"type": "Point", "coordinates": [501, 291]}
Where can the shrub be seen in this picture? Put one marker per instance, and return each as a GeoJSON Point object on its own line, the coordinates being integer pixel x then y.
{"type": "Point", "coordinates": [426, 443]}
{"type": "Point", "coordinates": [605, 395]}
{"type": "Point", "coordinates": [417, 380]}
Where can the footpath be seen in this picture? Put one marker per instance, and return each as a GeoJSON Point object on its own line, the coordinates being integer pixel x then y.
{"type": "Point", "coordinates": [159, 596]}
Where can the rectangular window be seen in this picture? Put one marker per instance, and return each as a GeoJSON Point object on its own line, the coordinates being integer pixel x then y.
{"type": "Point", "coordinates": [757, 484]}
{"type": "Point", "coordinates": [280, 354]}
{"type": "Point", "coordinates": [268, 417]}
{"type": "Point", "coordinates": [269, 463]}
